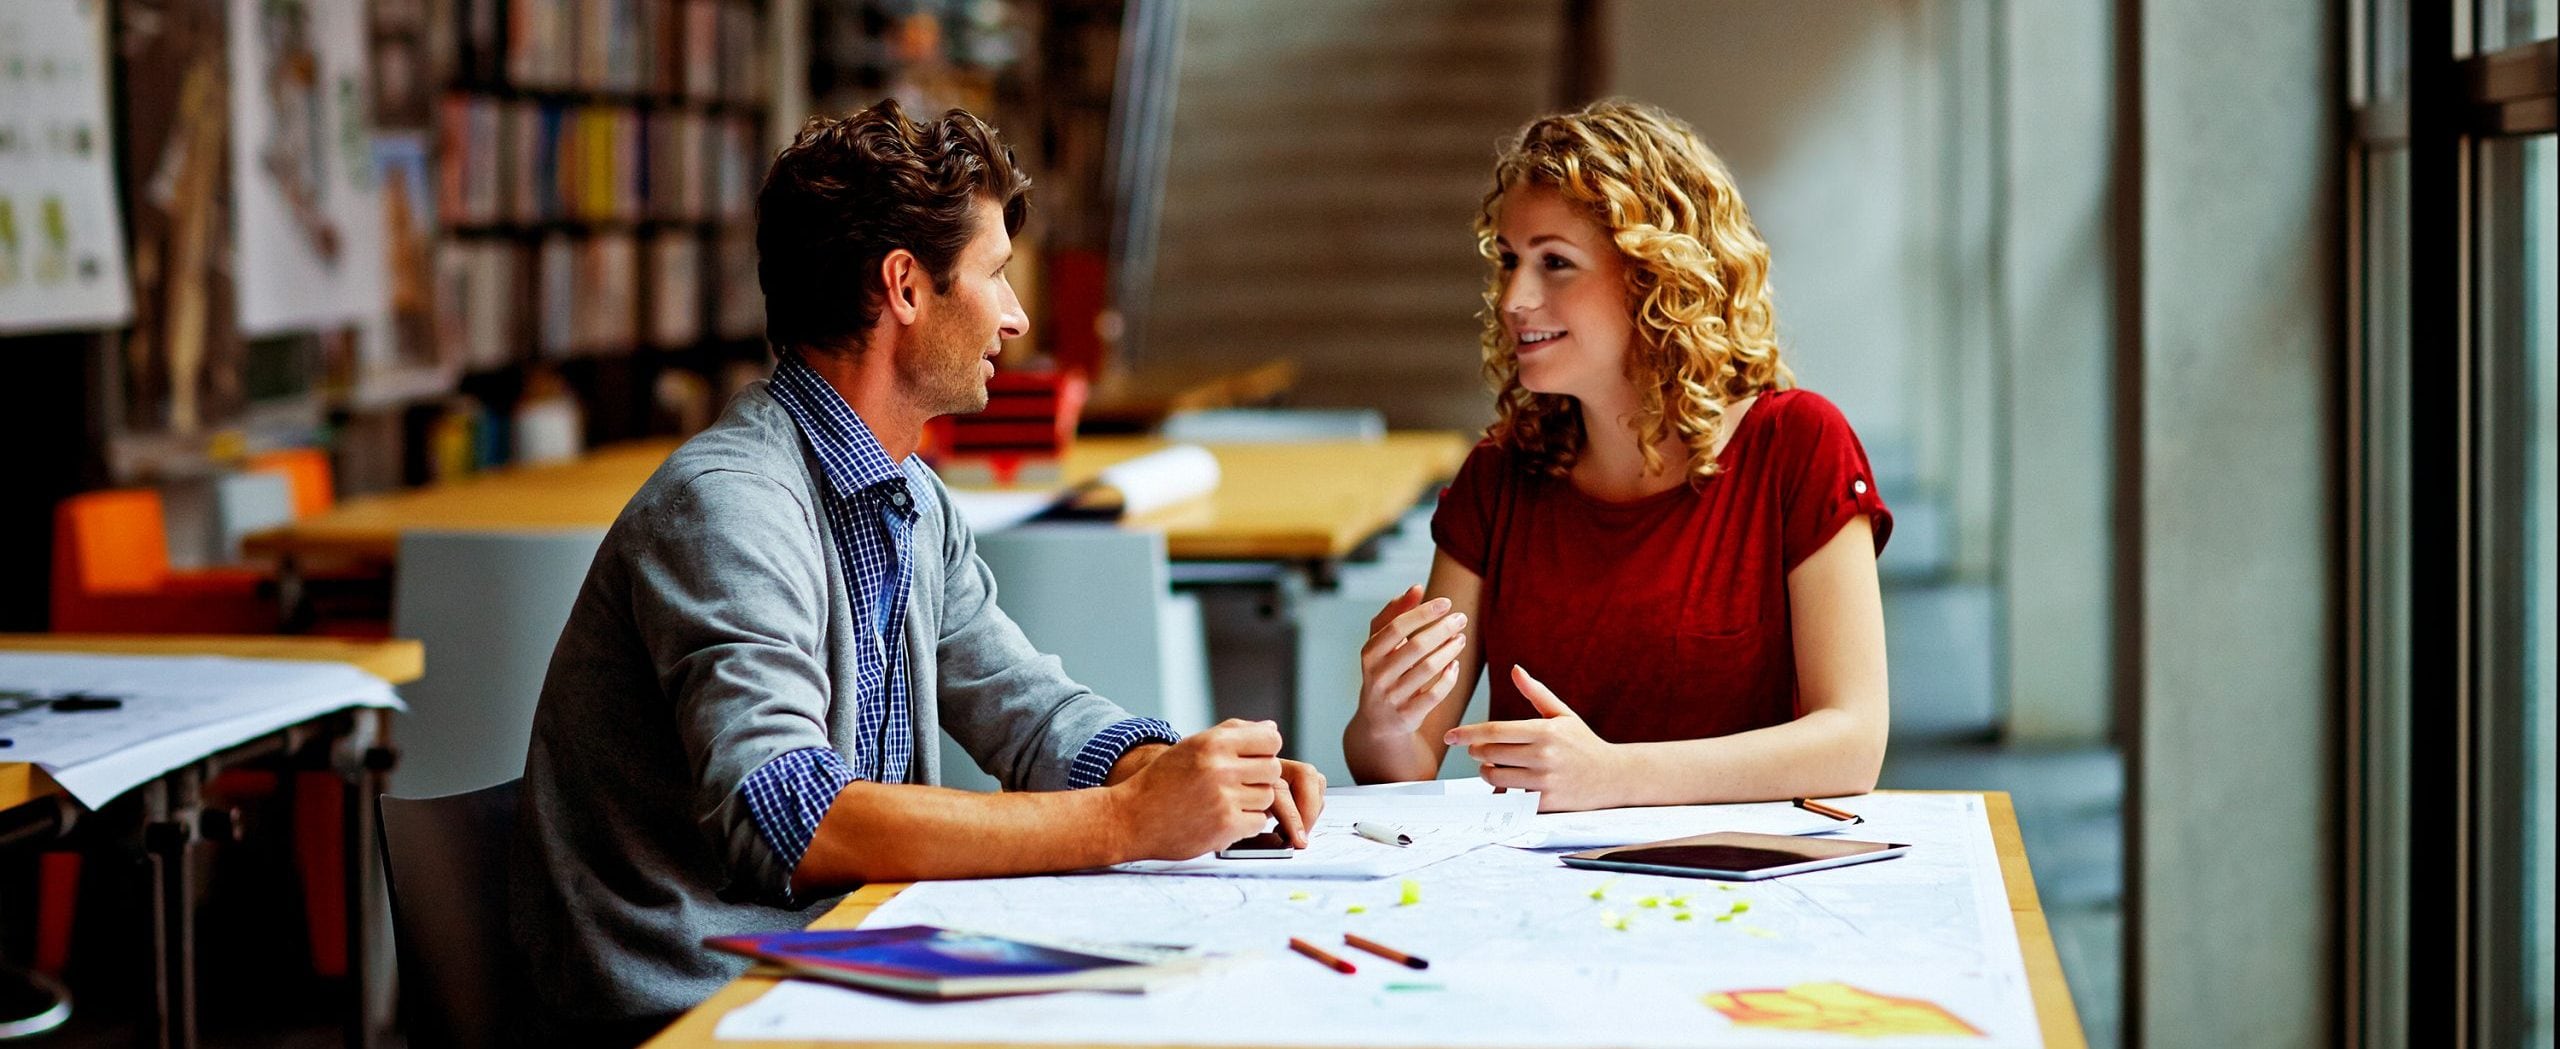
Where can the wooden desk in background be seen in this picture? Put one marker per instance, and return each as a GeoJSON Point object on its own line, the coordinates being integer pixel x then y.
{"type": "Point", "coordinates": [1134, 402]}
{"type": "Point", "coordinates": [2054, 1011]}
{"type": "Point", "coordinates": [173, 803]}
{"type": "Point", "coordinates": [1316, 501]}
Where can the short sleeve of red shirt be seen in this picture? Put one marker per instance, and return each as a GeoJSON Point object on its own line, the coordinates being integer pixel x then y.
{"type": "Point", "coordinates": [1833, 482]}
{"type": "Point", "coordinates": [1464, 519]}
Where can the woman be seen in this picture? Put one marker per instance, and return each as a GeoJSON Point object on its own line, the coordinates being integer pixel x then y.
{"type": "Point", "coordinates": [1681, 544]}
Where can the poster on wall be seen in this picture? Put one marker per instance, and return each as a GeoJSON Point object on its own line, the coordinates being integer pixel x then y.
{"type": "Point", "coordinates": [303, 182]}
{"type": "Point", "coordinates": [182, 358]}
{"type": "Point", "coordinates": [62, 261]}
{"type": "Point", "coordinates": [399, 354]}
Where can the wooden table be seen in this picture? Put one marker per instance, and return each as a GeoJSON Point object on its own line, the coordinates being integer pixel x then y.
{"type": "Point", "coordinates": [1130, 402]}
{"type": "Point", "coordinates": [1280, 502]}
{"type": "Point", "coordinates": [2054, 1012]}
{"type": "Point", "coordinates": [172, 804]}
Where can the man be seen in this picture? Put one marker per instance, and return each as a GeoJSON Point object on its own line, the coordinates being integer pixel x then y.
{"type": "Point", "coordinates": [739, 720]}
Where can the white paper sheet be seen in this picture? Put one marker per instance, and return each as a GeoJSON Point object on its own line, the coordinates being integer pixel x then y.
{"type": "Point", "coordinates": [995, 511]}
{"type": "Point", "coordinates": [1162, 478]}
{"type": "Point", "coordinates": [1610, 827]}
{"type": "Point", "coordinates": [1441, 827]}
{"type": "Point", "coordinates": [176, 709]}
{"type": "Point", "coordinates": [1525, 952]}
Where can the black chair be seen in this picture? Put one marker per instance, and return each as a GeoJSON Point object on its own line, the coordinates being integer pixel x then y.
{"type": "Point", "coordinates": [446, 861]}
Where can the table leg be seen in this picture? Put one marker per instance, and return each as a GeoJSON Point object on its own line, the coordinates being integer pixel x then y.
{"type": "Point", "coordinates": [169, 836]}
{"type": "Point", "coordinates": [362, 761]}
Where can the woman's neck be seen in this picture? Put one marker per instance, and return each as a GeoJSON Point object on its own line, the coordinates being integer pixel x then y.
{"type": "Point", "coordinates": [1611, 465]}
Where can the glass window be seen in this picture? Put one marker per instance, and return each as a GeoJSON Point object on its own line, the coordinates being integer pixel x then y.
{"type": "Point", "coordinates": [2506, 23]}
{"type": "Point", "coordinates": [2514, 536]}
{"type": "Point", "coordinates": [2541, 539]}
{"type": "Point", "coordinates": [2384, 742]}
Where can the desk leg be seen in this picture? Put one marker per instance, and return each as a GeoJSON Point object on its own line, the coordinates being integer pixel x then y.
{"type": "Point", "coordinates": [169, 835]}
{"type": "Point", "coordinates": [362, 762]}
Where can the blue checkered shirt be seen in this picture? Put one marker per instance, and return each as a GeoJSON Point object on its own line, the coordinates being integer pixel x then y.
{"type": "Point", "coordinates": [870, 503]}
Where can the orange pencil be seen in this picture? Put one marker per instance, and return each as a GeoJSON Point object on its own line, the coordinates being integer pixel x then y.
{"type": "Point", "coordinates": [1319, 954]}
{"type": "Point", "coordinates": [1810, 805]}
{"type": "Point", "coordinates": [1384, 951]}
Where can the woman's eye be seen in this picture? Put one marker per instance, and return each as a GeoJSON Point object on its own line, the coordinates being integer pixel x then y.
{"type": "Point", "coordinates": [1507, 261]}
{"type": "Point", "coordinates": [1557, 262]}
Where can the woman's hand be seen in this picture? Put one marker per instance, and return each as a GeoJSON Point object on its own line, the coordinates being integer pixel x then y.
{"type": "Point", "coordinates": [1409, 663]}
{"type": "Point", "coordinates": [1557, 755]}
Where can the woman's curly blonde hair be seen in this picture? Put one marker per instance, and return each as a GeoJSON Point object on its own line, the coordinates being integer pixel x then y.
{"type": "Point", "coordinates": [1697, 281]}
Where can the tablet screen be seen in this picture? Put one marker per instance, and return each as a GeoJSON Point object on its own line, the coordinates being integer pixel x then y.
{"type": "Point", "coordinates": [1736, 854]}
{"type": "Point", "coordinates": [1730, 857]}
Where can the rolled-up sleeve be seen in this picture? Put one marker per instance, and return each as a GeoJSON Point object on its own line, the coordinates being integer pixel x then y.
{"type": "Point", "coordinates": [1094, 762]}
{"type": "Point", "coordinates": [729, 606]}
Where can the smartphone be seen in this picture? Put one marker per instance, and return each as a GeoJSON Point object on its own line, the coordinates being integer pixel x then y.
{"type": "Point", "coordinates": [1736, 855]}
{"type": "Point", "coordinates": [1268, 845]}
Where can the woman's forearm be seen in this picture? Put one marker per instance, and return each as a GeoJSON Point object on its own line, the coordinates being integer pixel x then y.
{"type": "Point", "coordinates": [1387, 757]}
{"type": "Point", "coordinates": [1825, 753]}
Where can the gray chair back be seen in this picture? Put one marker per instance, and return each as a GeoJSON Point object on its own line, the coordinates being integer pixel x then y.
{"type": "Point", "coordinates": [489, 607]}
{"type": "Point", "coordinates": [1100, 598]}
{"type": "Point", "coordinates": [446, 859]}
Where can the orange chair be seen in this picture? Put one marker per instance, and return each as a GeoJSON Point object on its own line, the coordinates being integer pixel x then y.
{"type": "Point", "coordinates": [306, 470]}
{"type": "Point", "coordinates": [111, 574]}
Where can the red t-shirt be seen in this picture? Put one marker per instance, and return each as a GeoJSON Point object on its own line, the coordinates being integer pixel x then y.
{"type": "Point", "coordinates": [1665, 617]}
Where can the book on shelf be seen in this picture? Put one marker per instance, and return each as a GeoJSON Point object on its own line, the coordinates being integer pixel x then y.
{"type": "Point", "coordinates": [675, 289]}
{"type": "Point", "coordinates": [740, 313]}
{"type": "Point", "coordinates": [476, 301]}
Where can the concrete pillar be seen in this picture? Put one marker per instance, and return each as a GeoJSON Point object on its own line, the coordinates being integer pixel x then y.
{"type": "Point", "coordinates": [2234, 820]}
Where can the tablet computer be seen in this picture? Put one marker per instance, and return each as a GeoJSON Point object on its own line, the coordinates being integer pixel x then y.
{"type": "Point", "coordinates": [1735, 855]}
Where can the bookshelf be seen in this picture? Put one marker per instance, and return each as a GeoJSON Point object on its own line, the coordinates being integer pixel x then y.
{"type": "Point", "coordinates": [596, 169]}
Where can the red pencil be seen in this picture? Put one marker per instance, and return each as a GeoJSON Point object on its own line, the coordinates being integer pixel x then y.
{"type": "Point", "coordinates": [1319, 954]}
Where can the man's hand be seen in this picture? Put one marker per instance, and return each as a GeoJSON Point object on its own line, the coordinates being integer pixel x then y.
{"type": "Point", "coordinates": [1558, 755]}
{"type": "Point", "coordinates": [1299, 801]}
{"type": "Point", "coordinates": [1203, 793]}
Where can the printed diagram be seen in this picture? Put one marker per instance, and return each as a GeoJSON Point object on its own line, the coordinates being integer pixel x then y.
{"type": "Point", "coordinates": [1837, 1008]}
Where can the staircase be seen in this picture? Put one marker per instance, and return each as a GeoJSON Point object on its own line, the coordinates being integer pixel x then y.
{"type": "Point", "coordinates": [1326, 162]}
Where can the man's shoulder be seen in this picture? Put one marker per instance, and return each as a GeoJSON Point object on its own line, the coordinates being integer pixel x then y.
{"type": "Point", "coordinates": [748, 470]}
{"type": "Point", "coordinates": [754, 440]}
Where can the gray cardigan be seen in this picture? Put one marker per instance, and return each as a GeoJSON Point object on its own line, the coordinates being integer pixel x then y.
{"type": "Point", "coordinates": [706, 641]}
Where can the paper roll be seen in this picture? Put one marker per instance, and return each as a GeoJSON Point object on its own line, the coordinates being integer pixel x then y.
{"type": "Point", "coordinates": [1160, 479]}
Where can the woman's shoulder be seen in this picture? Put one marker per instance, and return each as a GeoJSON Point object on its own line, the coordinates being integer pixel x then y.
{"type": "Point", "coordinates": [1797, 417]}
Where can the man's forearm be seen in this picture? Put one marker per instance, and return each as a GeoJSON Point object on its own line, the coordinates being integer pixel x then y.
{"type": "Point", "coordinates": [908, 832]}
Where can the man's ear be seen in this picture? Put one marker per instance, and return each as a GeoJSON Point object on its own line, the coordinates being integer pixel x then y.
{"type": "Point", "coordinates": [902, 285]}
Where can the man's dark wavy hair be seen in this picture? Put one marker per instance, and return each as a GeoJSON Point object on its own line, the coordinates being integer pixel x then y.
{"type": "Point", "coordinates": [850, 190]}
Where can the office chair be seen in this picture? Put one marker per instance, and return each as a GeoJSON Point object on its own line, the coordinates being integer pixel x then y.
{"type": "Point", "coordinates": [445, 860]}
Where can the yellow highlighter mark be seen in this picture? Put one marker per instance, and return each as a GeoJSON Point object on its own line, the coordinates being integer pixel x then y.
{"type": "Point", "coordinates": [1601, 891]}
{"type": "Point", "coordinates": [1411, 894]}
{"type": "Point", "coordinates": [1837, 1008]}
